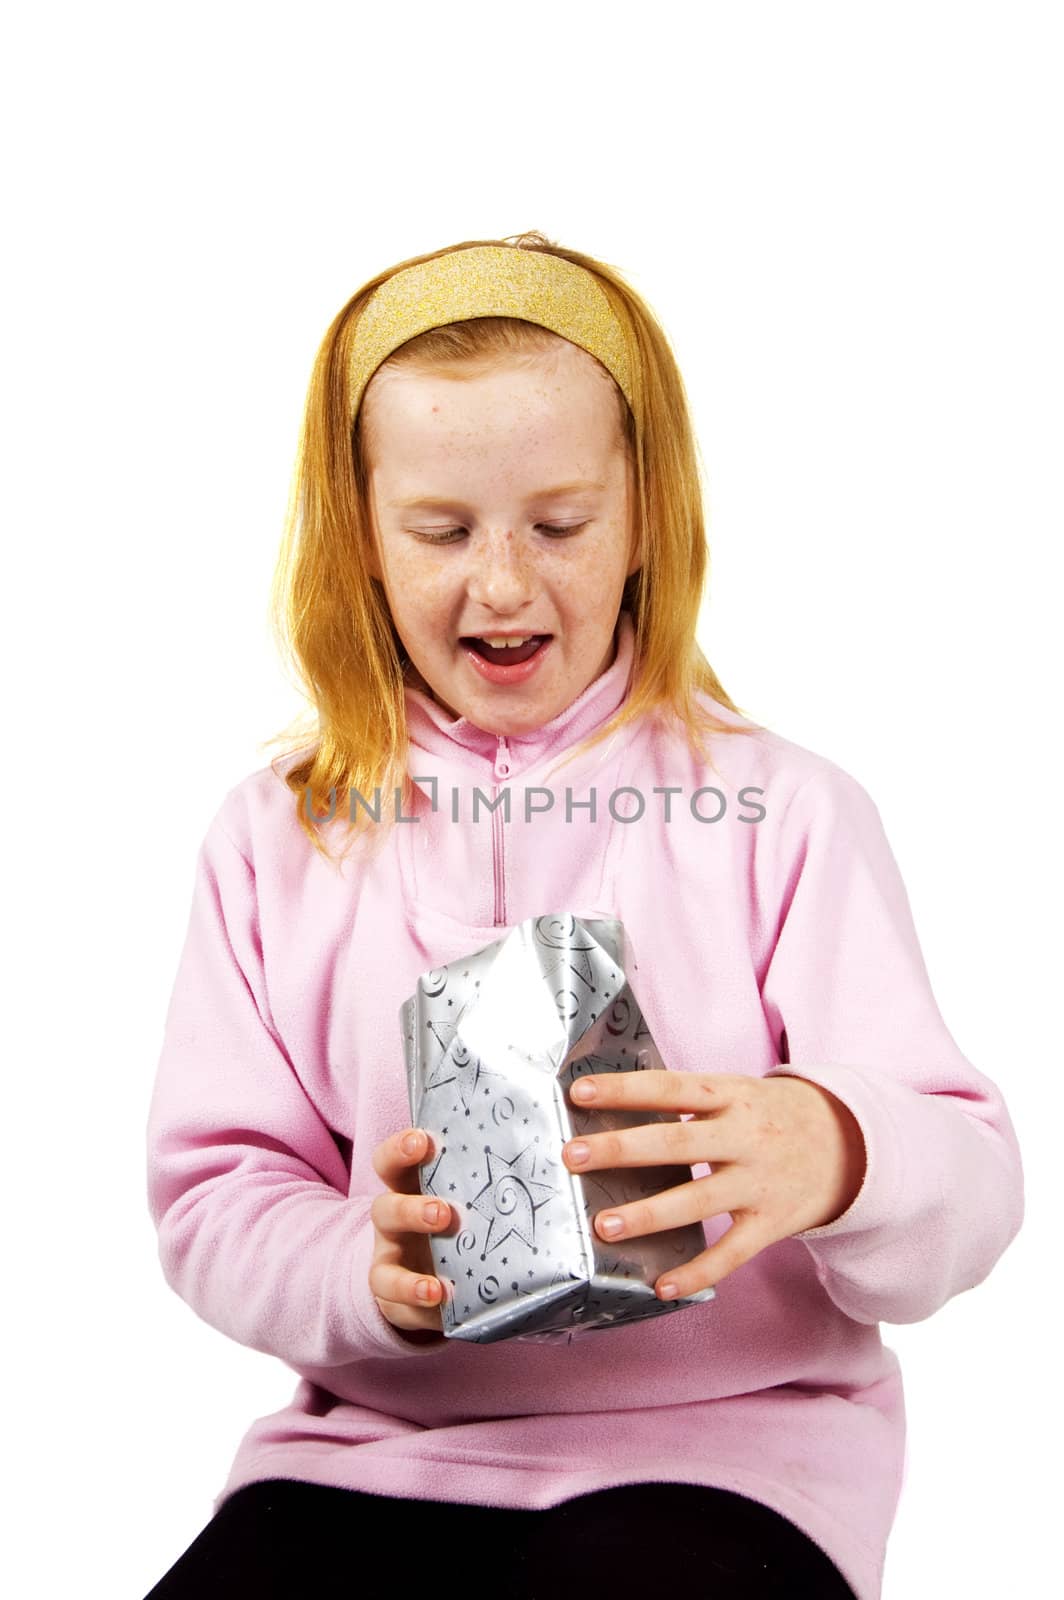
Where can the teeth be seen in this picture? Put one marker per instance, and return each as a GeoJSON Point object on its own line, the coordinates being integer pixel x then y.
{"type": "Point", "coordinates": [507, 644]}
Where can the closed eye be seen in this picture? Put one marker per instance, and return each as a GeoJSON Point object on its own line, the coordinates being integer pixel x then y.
{"type": "Point", "coordinates": [448, 535]}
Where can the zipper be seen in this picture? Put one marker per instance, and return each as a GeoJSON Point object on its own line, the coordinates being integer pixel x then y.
{"type": "Point", "coordinates": [498, 853]}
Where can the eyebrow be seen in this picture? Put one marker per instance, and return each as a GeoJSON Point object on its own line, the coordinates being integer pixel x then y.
{"type": "Point", "coordinates": [436, 502]}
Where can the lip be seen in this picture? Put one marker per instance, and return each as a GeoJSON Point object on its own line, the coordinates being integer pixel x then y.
{"type": "Point", "coordinates": [505, 676]}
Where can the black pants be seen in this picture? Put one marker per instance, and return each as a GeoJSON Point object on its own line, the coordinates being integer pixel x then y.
{"type": "Point", "coordinates": [302, 1540]}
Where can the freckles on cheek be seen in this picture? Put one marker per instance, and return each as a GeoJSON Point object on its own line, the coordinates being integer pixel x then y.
{"type": "Point", "coordinates": [418, 593]}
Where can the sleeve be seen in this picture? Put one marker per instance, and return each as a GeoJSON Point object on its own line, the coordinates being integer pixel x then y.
{"type": "Point", "coordinates": [246, 1185]}
{"type": "Point", "coordinates": [848, 998]}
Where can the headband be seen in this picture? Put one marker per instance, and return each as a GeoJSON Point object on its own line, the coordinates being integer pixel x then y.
{"type": "Point", "coordinates": [488, 281]}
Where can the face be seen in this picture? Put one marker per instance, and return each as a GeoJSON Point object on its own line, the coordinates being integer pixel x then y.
{"type": "Point", "coordinates": [502, 503]}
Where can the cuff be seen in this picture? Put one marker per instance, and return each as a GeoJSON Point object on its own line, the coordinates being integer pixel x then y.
{"type": "Point", "coordinates": [875, 1202]}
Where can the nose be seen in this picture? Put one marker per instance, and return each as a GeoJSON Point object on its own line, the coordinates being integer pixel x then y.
{"type": "Point", "coordinates": [502, 576]}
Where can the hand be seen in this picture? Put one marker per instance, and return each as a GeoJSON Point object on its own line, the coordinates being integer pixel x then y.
{"type": "Point", "coordinates": [786, 1155]}
{"type": "Point", "coordinates": [402, 1264]}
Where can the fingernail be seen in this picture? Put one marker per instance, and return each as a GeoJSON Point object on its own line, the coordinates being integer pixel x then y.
{"type": "Point", "coordinates": [611, 1225]}
{"type": "Point", "coordinates": [582, 1090]}
{"type": "Point", "coordinates": [577, 1153]}
{"type": "Point", "coordinates": [432, 1211]}
{"type": "Point", "coordinates": [412, 1143]}
{"type": "Point", "coordinates": [424, 1289]}
{"type": "Point", "coordinates": [669, 1291]}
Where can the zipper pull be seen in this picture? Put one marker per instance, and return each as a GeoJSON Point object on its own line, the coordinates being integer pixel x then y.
{"type": "Point", "coordinates": [502, 759]}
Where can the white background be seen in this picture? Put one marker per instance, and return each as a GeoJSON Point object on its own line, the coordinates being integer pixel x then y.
{"type": "Point", "coordinates": [848, 219]}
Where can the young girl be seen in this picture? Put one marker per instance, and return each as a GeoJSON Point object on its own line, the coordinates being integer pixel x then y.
{"type": "Point", "coordinates": [492, 579]}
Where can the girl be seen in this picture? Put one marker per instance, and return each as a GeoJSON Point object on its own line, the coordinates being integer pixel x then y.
{"type": "Point", "coordinates": [493, 572]}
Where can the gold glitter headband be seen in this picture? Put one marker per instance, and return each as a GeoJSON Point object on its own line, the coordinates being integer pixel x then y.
{"type": "Point", "coordinates": [488, 281]}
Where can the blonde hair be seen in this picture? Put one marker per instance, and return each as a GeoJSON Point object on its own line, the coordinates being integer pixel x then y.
{"type": "Point", "coordinates": [331, 619]}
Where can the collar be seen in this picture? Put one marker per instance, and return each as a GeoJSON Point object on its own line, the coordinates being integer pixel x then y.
{"type": "Point", "coordinates": [432, 729]}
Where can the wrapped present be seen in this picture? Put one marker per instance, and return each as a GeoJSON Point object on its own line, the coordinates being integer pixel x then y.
{"type": "Point", "coordinates": [492, 1043]}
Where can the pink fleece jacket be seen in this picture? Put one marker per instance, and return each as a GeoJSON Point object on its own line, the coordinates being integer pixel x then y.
{"type": "Point", "coordinates": [774, 943]}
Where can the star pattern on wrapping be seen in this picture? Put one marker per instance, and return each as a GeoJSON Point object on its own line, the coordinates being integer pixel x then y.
{"type": "Point", "coordinates": [457, 1065]}
{"type": "Point", "coordinates": [511, 1197]}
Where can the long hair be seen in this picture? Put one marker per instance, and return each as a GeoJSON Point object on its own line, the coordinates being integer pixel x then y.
{"type": "Point", "coordinates": [332, 622]}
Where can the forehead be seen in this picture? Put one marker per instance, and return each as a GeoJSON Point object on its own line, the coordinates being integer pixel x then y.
{"type": "Point", "coordinates": [558, 404]}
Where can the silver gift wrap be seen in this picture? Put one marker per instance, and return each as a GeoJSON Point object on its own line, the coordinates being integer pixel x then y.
{"type": "Point", "coordinates": [492, 1044]}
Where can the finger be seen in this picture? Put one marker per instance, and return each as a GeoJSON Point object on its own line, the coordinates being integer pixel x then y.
{"type": "Point", "coordinates": [407, 1318]}
{"type": "Point", "coordinates": [655, 1089]}
{"type": "Point", "coordinates": [398, 1165]}
{"type": "Point", "coordinates": [650, 1144]}
{"type": "Point", "coordinates": [672, 1208]}
{"type": "Point", "coordinates": [738, 1244]}
{"type": "Point", "coordinates": [396, 1214]}
{"type": "Point", "coordinates": [414, 1290]}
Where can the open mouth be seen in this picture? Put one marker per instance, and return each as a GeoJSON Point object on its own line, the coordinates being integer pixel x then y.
{"type": "Point", "coordinates": [507, 655]}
